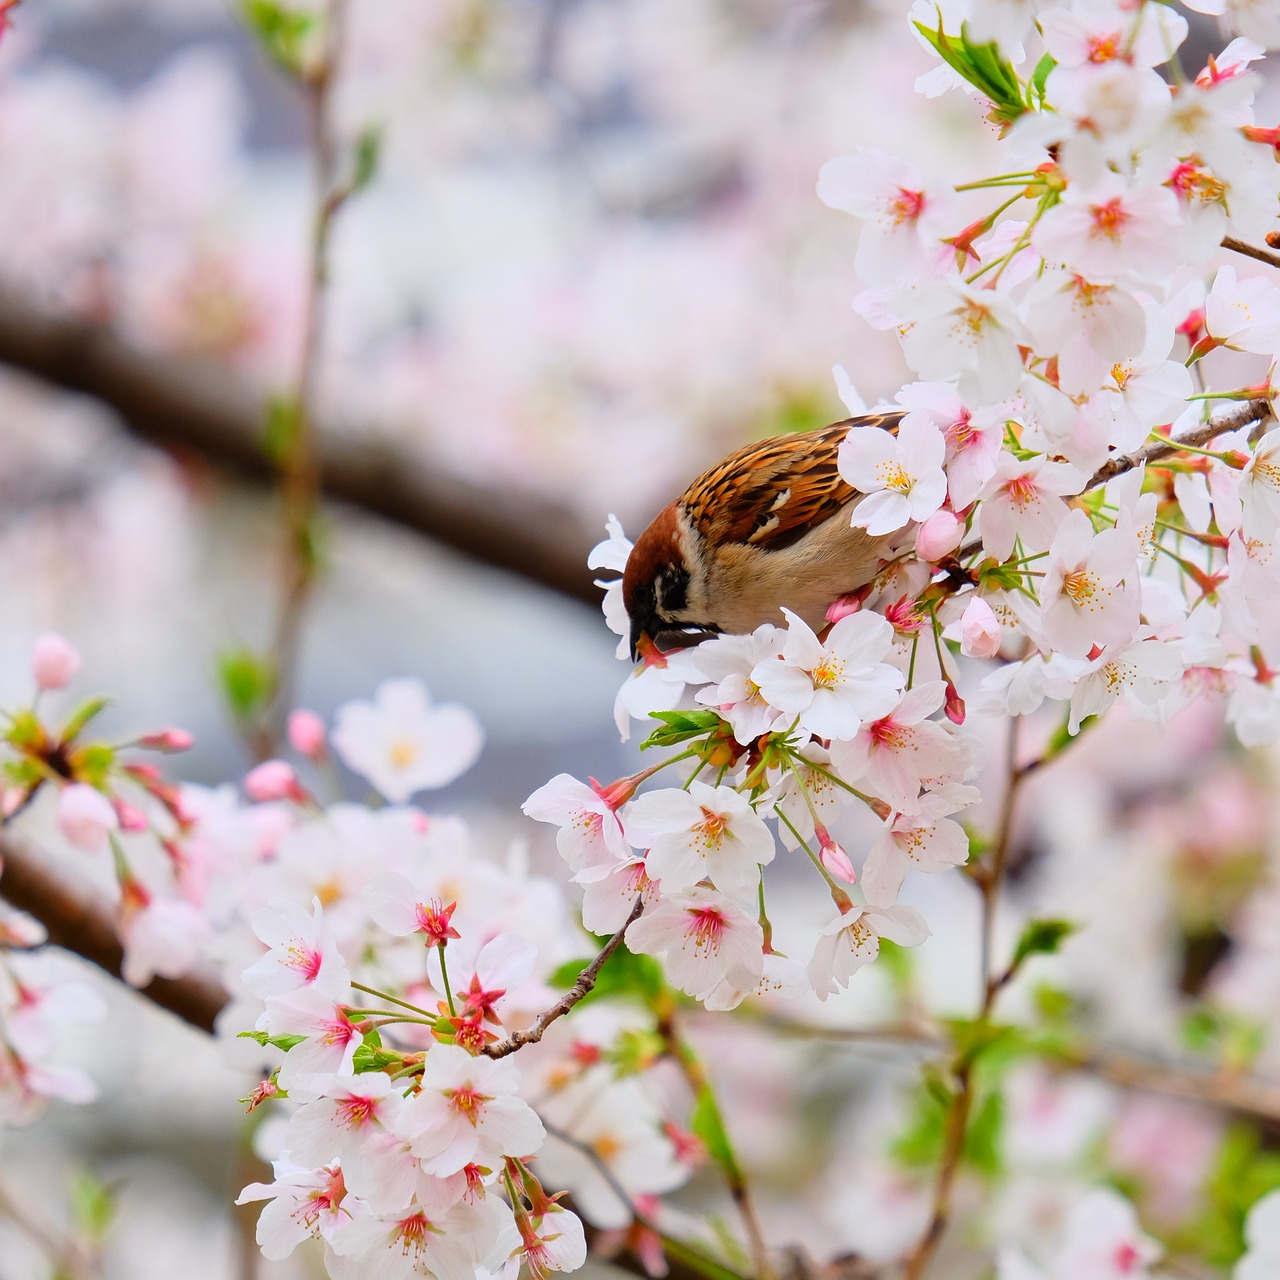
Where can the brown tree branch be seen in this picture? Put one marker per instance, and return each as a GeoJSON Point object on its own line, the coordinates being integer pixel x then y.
{"type": "Point", "coordinates": [576, 994]}
{"type": "Point", "coordinates": [76, 920]}
{"type": "Point", "coordinates": [1243, 415]}
{"type": "Point", "coordinates": [1251, 251]}
{"type": "Point", "coordinates": [192, 405]}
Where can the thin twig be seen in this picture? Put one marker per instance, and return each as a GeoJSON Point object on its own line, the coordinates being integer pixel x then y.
{"type": "Point", "coordinates": [989, 881]}
{"type": "Point", "coordinates": [682, 1054]}
{"type": "Point", "coordinates": [575, 995]}
{"type": "Point", "coordinates": [299, 467]}
{"type": "Point", "coordinates": [1251, 251]}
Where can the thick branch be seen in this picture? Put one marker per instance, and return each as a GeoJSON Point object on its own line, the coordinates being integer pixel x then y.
{"type": "Point", "coordinates": [183, 403]}
{"type": "Point", "coordinates": [1251, 251]}
{"type": "Point", "coordinates": [75, 919]}
{"type": "Point", "coordinates": [575, 995]}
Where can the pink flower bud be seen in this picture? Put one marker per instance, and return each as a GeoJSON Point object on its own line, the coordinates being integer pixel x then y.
{"type": "Point", "coordinates": [307, 734]}
{"type": "Point", "coordinates": [274, 780]}
{"type": "Point", "coordinates": [979, 630]}
{"type": "Point", "coordinates": [842, 607]}
{"type": "Point", "coordinates": [954, 707]}
{"type": "Point", "coordinates": [53, 661]}
{"type": "Point", "coordinates": [939, 536]}
{"type": "Point", "coordinates": [85, 816]}
{"type": "Point", "coordinates": [833, 856]}
{"type": "Point", "coordinates": [167, 740]}
{"type": "Point", "coordinates": [130, 817]}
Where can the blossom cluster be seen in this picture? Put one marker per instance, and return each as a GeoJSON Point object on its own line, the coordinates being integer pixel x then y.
{"type": "Point", "coordinates": [1055, 336]}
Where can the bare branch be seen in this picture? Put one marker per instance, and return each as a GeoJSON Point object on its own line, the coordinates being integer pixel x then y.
{"type": "Point", "coordinates": [1251, 251]}
{"type": "Point", "coordinates": [76, 920]}
{"type": "Point", "coordinates": [195, 406]}
{"type": "Point", "coordinates": [1243, 415]}
{"type": "Point", "coordinates": [575, 995]}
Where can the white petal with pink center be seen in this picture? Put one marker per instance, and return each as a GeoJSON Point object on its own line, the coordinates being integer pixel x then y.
{"type": "Point", "coordinates": [972, 445]}
{"type": "Point", "coordinates": [1110, 231]}
{"type": "Point", "coordinates": [958, 327]}
{"type": "Point", "coordinates": [400, 743]}
{"type": "Point", "coordinates": [833, 686]}
{"type": "Point", "coordinates": [852, 939]}
{"type": "Point", "coordinates": [900, 475]}
{"type": "Point", "coordinates": [925, 843]}
{"type": "Point", "coordinates": [704, 939]}
{"type": "Point", "coordinates": [1145, 670]}
{"type": "Point", "coordinates": [418, 1240]}
{"type": "Point", "coordinates": [903, 219]}
{"type": "Point", "coordinates": [607, 903]}
{"type": "Point", "coordinates": [1083, 598]}
{"type": "Point", "coordinates": [1243, 314]}
{"type": "Point", "coordinates": [1260, 489]}
{"type": "Point", "coordinates": [304, 953]}
{"type": "Point", "coordinates": [589, 835]}
{"type": "Point", "coordinates": [1022, 503]}
{"type": "Point", "coordinates": [305, 1204]}
{"type": "Point", "coordinates": [727, 662]}
{"type": "Point", "coordinates": [331, 1037]}
{"type": "Point", "coordinates": [699, 834]}
{"type": "Point", "coordinates": [897, 751]}
{"type": "Point", "coordinates": [344, 1111]}
{"type": "Point", "coordinates": [468, 1112]}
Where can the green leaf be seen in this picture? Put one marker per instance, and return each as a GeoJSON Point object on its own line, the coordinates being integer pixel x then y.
{"type": "Point", "coordinates": [81, 716]}
{"type": "Point", "coordinates": [247, 681]}
{"type": "Point", "coordinates": [983, 66]}
{"type": "Point", "coordinates": [280, 1042]}
{"type": "Point", "coordinates": [93, 1205]}
{"type": "Point", "coordinates": [92, 763]}
{"type": "Point", "coordinates": [25, 730]}
{"type": "Point", "coordinates": [281, 427]}
{"type": "Point", "coordinates": [282, 32]}
{"type": "Point", "coordinates": [624, 976]}
{"type": "Point", "coordinates": [983, 1135]}
{"type": "Point", "coordinates": [368, 152]}
{"type": "Point", "coordinates": [1039, 938]}
{"type": "Point", "coordinates": [706, 1123]}
{"type": "Point", "coordinates": [680, 726]}
{"type": "Point", "coordinates": [633, 1051]}
{"type": "Point", "coordinates": [1039, 76]}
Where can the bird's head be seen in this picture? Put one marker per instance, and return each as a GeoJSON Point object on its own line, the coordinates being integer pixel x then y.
{"type": "Point", "coordinates": [664, 586]}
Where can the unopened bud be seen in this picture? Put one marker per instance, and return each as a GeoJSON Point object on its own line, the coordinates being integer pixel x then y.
{"type": "Point", "coordinates": [979, 630]}
{"type": "Point", "coordinates": [307, 734]}
{"type": "Point", "coordinates": [167, 740]}
{"type": "Point", "coordinates": [274, 780]}
{"type": "Point", "coordinates": [939, 536]}
{"type": "Point", "coordinates": [54, 661]}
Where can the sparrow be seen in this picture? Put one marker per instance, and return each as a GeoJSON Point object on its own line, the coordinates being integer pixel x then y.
{"type": "Point", "coordinates": [767, 527]}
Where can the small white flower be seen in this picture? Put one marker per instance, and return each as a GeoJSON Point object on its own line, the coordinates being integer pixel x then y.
{"type": "Point", "coordinates": [402, 744]}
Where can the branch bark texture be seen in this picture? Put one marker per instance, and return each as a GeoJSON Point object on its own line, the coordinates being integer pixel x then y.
{"type": "Point", "coordinates": [187, 404]}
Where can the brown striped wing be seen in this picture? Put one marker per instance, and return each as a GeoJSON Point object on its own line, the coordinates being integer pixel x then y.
{"type": "Point", "coordinates": [770, 493]}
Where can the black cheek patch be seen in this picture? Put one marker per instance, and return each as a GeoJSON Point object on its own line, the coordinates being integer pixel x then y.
{"type": "Point", "coordinates": [673, 589]}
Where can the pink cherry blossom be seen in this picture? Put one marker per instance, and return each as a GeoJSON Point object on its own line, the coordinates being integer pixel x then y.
{"type": "Point", "coordinates": [588, 834]}
{"type": "Point", "coordinates": [832, 686]}
{"type": "Point", "coordinates": [467, 1112]}
{"type": "Point", "coordinates": [1083, 597]}
{"type": "Point", "coordinates": [894, 752]}
{"type": "Point", "coordinates": [414, 1241]}
{"type": "Point", "coordinates": [704, 938]}
{"type": "Point", "coordinates": [1022, 503]}
{"type": "Point", "coordinates": [703, 833]}
{"type": "Point", "coordinates": [307, 734]}
{"type": "Point", "coordinates": [928, 843]}
{"type": "Point", "coordinates": [305, 1204]}
{"type": "Point", "coordinates": [980, 634]}
{"type": "Point", "coordinates": [1110, 230]}
{"type": "Point", "coordinates": [728, 661]}
{"type": "Point", "coordinates": [303, 952]}
{"type": "Point", "coordinates": [1242, 314]}
{"type": "Point", "coordinates": [274, 780]}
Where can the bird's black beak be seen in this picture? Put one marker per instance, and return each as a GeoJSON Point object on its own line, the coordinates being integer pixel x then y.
{"type": "Point", "coordinates": [639, 631]}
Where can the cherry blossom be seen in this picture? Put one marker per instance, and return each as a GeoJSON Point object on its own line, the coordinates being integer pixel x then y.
{"type": "Point", "coordinates": [305, 1204]}
{"type": "Point", "coordinates": [900, 475]}
{"type": "Point", "coordinates": [852, 939]}
{"type": "Point", "coordinates": [303, 953]}
{"type": "Point", "coordinates": [703, 833]}
{"type": "Point", "coordinates": [401, 743]}
{"type": "Point", "coordinates": [928, 843]}
{"type": "Point", "coordinates": [704, 938]}
{"type": "Point", "coordinates": [54, 661]}
{"type": "Point", "coordinates": [832, 685]}
{"type": "Point", "coordinates": [85, 816]}
{"type": "Point", "coordinates": [1022, 504]}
